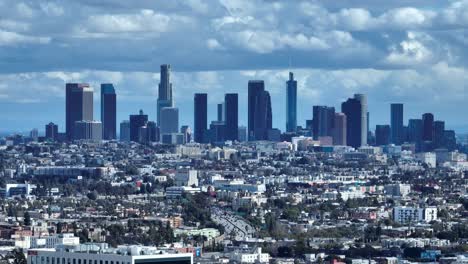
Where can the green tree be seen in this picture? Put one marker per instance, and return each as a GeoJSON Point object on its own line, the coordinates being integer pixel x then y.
{"type": "Point", "coordinates": [27, 219]}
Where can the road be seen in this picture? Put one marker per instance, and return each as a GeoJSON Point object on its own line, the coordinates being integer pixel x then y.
{"type": "Point", "coordinates": [232, 223]}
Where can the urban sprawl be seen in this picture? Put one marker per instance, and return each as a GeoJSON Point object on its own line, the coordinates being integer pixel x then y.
{"type": "Point", "coordinates": [332, 191]}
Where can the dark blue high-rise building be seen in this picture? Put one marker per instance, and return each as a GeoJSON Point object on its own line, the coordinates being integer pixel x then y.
{"type": "Point", "coordinates": [217, 132]}
{"type": "Point", "coordinates": [137, 122]}
{"type": "Point", "coordinates": [323, 121]}
{"type": "Point", "coordinates": [439, 128]}
{"type": "Point", "coordinates": [450, 141]}
{"type": "Point", "coordinates": [352, 108]}
{"type": "Point", "coordinates": [78, 106]}
{"type": "Point", "coordinates": [382, 135]}
{"type": "Point", "coordinates": [291, 104]}
{"type": "Point", "coordinates": [220, 112]}
{"type": "Point", "coordinates": [231, 116]}
{"type": "Point", "coordinates": [153, 131]}
{"type": "Point", "coordinates": [108, 111]}
{"type": "Point", "coordinates": [428, 132]}
{"type": "Point", "coordinates": [51, 131]}
{"type": "Point", "coordinates": [262, 116]}
{"type": "Point", "coordinates": [428, 127]}
{"type": "Point", "coordinates": [396, 116]}
{"type": "Point", "coordinates": [256, 87]}
{"type": "Point", "coordinates": [200, 117]}
{"type": "Point", "coordinates": [415, 132]}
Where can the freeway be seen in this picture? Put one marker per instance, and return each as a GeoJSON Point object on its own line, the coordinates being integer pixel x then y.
{"type": "Point", "coordinates": [232, 223]}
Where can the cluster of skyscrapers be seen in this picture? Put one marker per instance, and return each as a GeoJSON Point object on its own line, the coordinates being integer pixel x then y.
{"type": "Point", "coordinates": [224, 128]}
{"type": "Point", "coordinates": [166, 129]}
{"type": "Point", "coordinates": [348, 127]}
{"type": "Point", "coordinates": [79, 120]}
{"type": "Point", "coordinates": [425, 133]}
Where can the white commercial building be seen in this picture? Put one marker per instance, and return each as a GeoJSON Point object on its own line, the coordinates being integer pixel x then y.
{"type": "Point", "coordinates": [209, 233]}
{"type": "Point", "coordinates": [177, 191]}
{"type": "Point", "coordinates": [405, 214]}
{"type": "Point", "coordinates": [238, 186]}
{"type": "Point", "coordinates": [18, 189]}
{"type": "Point", "coordinates": [255, 257]}
{"type": "Point", "coordinates": [95, 253]}
{"type": "Point", "coordinates": [27, 242]}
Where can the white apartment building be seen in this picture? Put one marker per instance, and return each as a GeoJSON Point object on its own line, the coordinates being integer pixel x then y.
{"type": "Point", "coordinates": [47, 241]}
{"type": "Point", "coordinates": [209, 233]}
{"type": "Point", "coordinates": [405, 214]}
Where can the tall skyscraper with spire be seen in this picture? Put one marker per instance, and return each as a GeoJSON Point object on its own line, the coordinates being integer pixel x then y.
{"type": "Point", "coordinates": [291, 104]}
{"type": "Point", "coordinates": [165, 91]}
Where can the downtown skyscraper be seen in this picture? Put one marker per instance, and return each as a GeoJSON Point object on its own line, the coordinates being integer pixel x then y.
{"type": "Point", "coordinates": [200, 112]}
{"type": "Point", "coordinates": [382, 135]}
{"type": "Point", "coordinates": [108, 111]}
{"type": "Point", "coordinates": [291, 104]}
{"type": "Point", "coordinates": [396, 116]}
{"type": "Point", "coordinates": [323, 121]}
{"type": "Point", "coordinates": [415, 133]}
{"type": "Point", "coordinates": [438, 134]}
{"type": "Point", "coordinates": [51, 131]}
{"type": "Point", "coordinates": [255, 88]}
{"type": "Point", "coordinates": [362, 98]}
{"type": "Point", "coordinates": [165, 91]}
{"type": "Point", "coordinates": [259, 111]}
{"type": "Point", "coordinates": [355, 110]}
{"type": "Point", "coordinates": [231, 116]}
{"type": "Point", "coordinates": [136, 122]}
{"type": "Point", "coordinates": [428, 127]}
{"type": "Point", "coordinates": [78, 106]}
{"type": "Point", "coordinates": [339, 129]}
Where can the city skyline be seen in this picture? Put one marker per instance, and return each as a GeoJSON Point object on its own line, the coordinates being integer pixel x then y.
{"type": "Point", "coordinates": [212, 112]}
{"type": "Point", "coordinates": [233, 131]}
{"type": "Point", "coordinates": [351, 127]}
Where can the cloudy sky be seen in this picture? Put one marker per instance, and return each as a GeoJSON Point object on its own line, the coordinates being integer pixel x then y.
{"type": "Point", "coordinates": [409, 51]}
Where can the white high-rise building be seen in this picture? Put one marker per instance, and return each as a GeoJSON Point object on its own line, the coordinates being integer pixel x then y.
{"type": "Point", "coordinates": [364, 129]}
